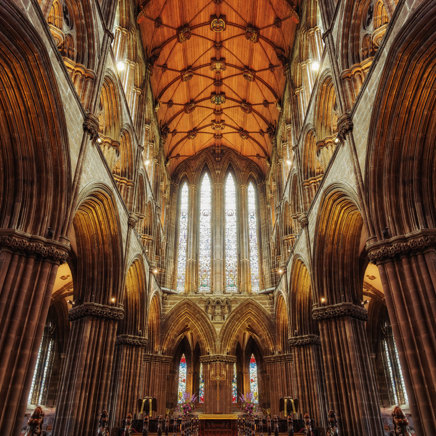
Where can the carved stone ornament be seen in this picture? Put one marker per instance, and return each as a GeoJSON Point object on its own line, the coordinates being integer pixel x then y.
{"type": "Point", "coordinates": [96, 310]}
{"type": "Point", "coordinates": [132, 340]}
{"type": "Point", "coordinates": [304, 340]}
{"type": "Point", "coordinates": [187, 75]}
{"type": "Point", "coordinates": [212, 358]}
{"type": "Point", "coordinates": [401, 246]}
{"type": "Point", "coordinates": [133, 219]}
{"type": "Point", "coordinates": [189, 107]}
{"type": "Point", "coordinates": [183, 33]}
{"type": "Point", "coordinates": [243, 134]}
{"type": "Point", "coordinates": [217, 24]}
{"type": "Point", "coordinates": [340, 310]}
{"type": "Point", "coordinates": [246, 107]}
{"type": "Point", "coordinates": [303, 220]}
{"type": "Point", "coordinates": [34, 246]}
{"type": "Point", "coordinates": [90, 125]}
{"type": "Point", "coordinates": [345, 125]}
{"type": "Point", "coordinates": [249, 75]}
{"type": "Point", "coordinates": [218, 125]}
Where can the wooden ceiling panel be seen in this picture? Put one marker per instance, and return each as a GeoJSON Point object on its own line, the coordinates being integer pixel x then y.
{"type": "Point", "coordinates": [218, 72]}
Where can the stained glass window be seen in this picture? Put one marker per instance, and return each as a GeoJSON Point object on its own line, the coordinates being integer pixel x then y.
{"type": "Point", "coordinates": [183, 237]}
{"type": "Point", "coordinates": [253, 238]}
{"type": "Point", "coordinates": [201, 386]}
{"type": "Point", "coordinates": [392, 363]}
{"type": "Point", "coordinates": [234, 385]}
{"type": "Point", "coordinates": [181, 389]}
{"type": "Point", "coordinates": [253, 379]}
{"type": "Point", "coordinates": [205, 235]}
{"type": "Point", "coordinates": [231, 234]}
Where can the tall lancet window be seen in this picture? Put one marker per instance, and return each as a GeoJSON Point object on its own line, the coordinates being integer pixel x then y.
{"type": "Point", "coordinates": [234, 385]}
{"type": "Point", "coordinates": [253, 237]}
{"type": "Point", "coordinates": [231, 234]}
{"type": "Point", "coordinates": [181, 389]}
{"type": "Point", "coordinates": [201, 386]}
{"type": "Point", "coordinates": [183, 237]}
{"type": "Point", "coordinates": [205, 235]}
{"type": "Point", "coordinates": [253, 379]}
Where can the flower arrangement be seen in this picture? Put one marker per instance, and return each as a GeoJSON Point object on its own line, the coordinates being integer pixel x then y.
{"type": "Point", "coordinates": [248, 405]}
{"type": "Point", "coordinates": [187, 406]}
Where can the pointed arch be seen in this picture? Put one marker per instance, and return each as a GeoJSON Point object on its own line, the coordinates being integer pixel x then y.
{"type": "Point", "coordinates": [154, 324]}
{"type": "Point", "coordinates": [282, 323]}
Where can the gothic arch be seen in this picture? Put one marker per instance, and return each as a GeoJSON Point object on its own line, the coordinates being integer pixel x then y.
{"type": "Point", "coordinates": [34, 161]}
{"type": "Point", "coordinates": [153, 323]}
{"type": "Point", "coordinates": [98, 257]}
{"type": "Point", "coordinates": [337, 247]}
{"type": "Point", "coordinates": [185, 317]}
{"type": "Point", "coordinates": [252, 318]}
{"type": "Point", "coordinates": [282, 323]}
{"type": "Point", "coordinates": [134, 301]}
{"type": "Point", "coordinates": [400, 168]}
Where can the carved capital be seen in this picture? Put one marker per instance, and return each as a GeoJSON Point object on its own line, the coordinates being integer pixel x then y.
{"type": "Point", "coordinates": [96, 310]}
{"type": "Point", "coordinates": [303, 341]}
{"type": "Point", "coordinates": [345, 125]}
{"type": "Point", "coordinates": [303, 219]}
{"type": "Point", "coordinates": [401, 246]}
{"type": "Point", "coordinates": [90, 125]}
{"type": "Point", "coordinates": [133, 219]}
{"type": "Point", "coordinates": [36, 246]}
{"type": "Point", "coordinates": [214, 358]}
{"type": "Point", "coordinates": [157, 358]}
{"type": "Point", "coordinates": [340, 310]}
{"type": "Point", "coordinates": [132, 341]}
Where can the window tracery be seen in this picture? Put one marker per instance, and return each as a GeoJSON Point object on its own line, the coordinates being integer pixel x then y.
{"type": "Point", "coordinates": [205, 235]}
{"type": "Point", "coordinates": [183, 237]}
{"type": "Point", "coordinates": [253, 238]}
{"type": "Point", "coordinates": [231, 235]}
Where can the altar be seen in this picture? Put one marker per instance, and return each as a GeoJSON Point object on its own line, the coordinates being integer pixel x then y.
{"type": "Point", "coordinates": [212, 424]}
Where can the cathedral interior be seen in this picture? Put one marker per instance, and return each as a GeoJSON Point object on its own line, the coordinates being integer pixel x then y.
{"type": "Point", "coordinates": [224, 203]}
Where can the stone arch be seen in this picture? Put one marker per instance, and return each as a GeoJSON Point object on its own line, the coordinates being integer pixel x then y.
{"type": "Point", "coordinates": [247, 317]}
{"type": "Point", "coordinates": [400, 168]}
{"type": "Point", "coordinates": [282, 323]}
{"type": "Point", "coordinates": [98, 256]}
{"type": "Point", "coordinates": [337, 247]}
{"type": "Point", "coordinates": [134, 301]}
{"type": "Point", "coordinates": [325, 120]}
{"type": "Point", "coordinates": [186, 317]}
{"type": "Point", "coordinates": [153, 323]}
{"type": "Point", "coordinates": [312, 171]}
{"type": "Point", "coordinates": [109, 117]}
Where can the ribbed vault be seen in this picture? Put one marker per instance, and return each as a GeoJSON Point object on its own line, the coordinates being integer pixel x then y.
{"type": "Point", "coordinates": [218, 72]}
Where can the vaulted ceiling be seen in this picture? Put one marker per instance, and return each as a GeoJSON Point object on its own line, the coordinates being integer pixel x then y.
{"type": "Point", "coordinates": [218, 72]}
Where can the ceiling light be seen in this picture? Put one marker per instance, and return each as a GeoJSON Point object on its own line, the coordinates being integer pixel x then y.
{"type": "Point", "coordinates": [315, 66]}
{"type": "Point", "coordinates": [121, 66]}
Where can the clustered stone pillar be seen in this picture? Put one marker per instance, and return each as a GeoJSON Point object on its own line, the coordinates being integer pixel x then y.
{"type": "Point", "coordinates": [28, 267]}
{"type": "Point", "coordinates": [156, 375]}
{"type": "Point", "coordinates": [408, 274]}
{"type": "Point", "coordinates": [86, 378]}
{"type": "Point", "coordinates": [279, 369]}
{"type": "Point", "coordinates": [127, 383]}
{"type": "Point", "coordinates": [218, 374]}
{"type": "Point", "coordinates": [309, 381]}
{"type": "Point", "coordinates": [350, 380]}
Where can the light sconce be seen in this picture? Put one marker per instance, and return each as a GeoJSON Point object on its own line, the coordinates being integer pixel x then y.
{"type": "Point", "coordinates": [315, 66]}
{"type": "Point", "coordinates": [121, 66]}
{"type": "Point", "coordinates": [323, 300]}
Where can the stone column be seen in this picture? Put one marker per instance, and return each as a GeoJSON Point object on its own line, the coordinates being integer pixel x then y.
{"type": "Point", "coordinates": [85, 385]}
{"type": "Point", "coordinates": [28, 267]}
{"type": "Point", "coordinates": [309, 380]}
{"type": "Point", "coordinates": [191, 282]}
{"type": "Point", "coordinates": [157, 381]}
{"type": "Point", "coordinates": [218, 374]}
{"type": "Point", "coordinates": [408, 274]}
{"type": "Point", "coordinates": [128, 376]}
{"type": "Point", "coordinates": [278, 367]}
{"type": "Point", "coordinates": [244, 250]}
{"type": "Point", "coordinates": [350, 379]}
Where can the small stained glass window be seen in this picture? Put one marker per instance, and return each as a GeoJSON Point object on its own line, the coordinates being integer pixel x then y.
{"type": "Point", "coordinates": [253, 238]}
{"type": "Point", "coordinates": [253, 379]}
{"type": "Point", "coordinates": [205, 235]}
{"type": "Point", "coordinates": [231, 234]}
{"type": "Point", "coordinates": [181, 389]}
{"type": "Point", "coordinates": [183, 237]}
{"type": "Point", "coordinates": [201, 386]}
{"type": "Point", "coordinates": [234, 385]}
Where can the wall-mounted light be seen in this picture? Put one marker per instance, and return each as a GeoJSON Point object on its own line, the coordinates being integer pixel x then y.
{"type": "Point", "coordinates": [289, 162]}
{"type": "Point", "coordinates": [280, 271]}
{"type": "Point", "coordinates": [147, 162]}
{"type": "Point", "coordinates": [121, 66]}
{"type": "Point", "coordinates": [113, 299]}
{"type": "Point", "coordinates": [155, 271]}
{"type": "Point", "coordinates": [315, 66]}
{"type": "Point", "coordinates": [99, 140]}
{"type": "Point", "coordinates": [323, 300]}
{"type": "Point", "coordinates": [336, 140]}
